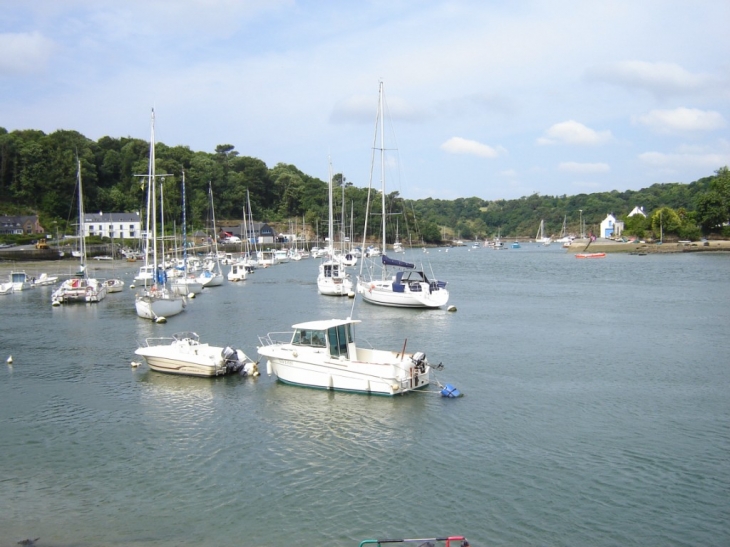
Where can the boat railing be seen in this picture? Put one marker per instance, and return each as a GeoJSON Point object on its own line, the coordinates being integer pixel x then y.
{"type": "Point", "coordinates": [275, 338]}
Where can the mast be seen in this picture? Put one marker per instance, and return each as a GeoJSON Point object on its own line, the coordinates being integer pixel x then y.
{"type": "Point", "coordinates": [184, 229]}
{"type": "Point", "coordinates": [331, 249]}
{"type": "Point", "coordinates": [82, 229]}
{"type": "Point", "coordinates": [382, 160]}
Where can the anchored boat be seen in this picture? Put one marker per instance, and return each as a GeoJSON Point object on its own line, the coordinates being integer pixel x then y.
{"type": "Point", "coordinates": [323, 354]}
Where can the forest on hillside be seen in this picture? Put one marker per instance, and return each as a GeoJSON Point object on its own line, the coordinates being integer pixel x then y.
{"type": "Point", "coordinates": [38, 175]}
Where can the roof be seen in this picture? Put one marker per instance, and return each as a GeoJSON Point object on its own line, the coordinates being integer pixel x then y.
{"type": "Point", "coordinates": [111, 217]}
{"type": "Point", "coordinates": [325, 324]}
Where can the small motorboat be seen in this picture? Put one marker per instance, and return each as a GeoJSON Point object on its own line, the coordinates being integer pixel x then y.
{"type": "Point", "coordinates": [590, 255]}
{"type": "Point", "coordinates": [114, 285]}
{"type": "Point", "coordinates": [449, 541]}
{"type": "Point", "coordinates": [184, 354]}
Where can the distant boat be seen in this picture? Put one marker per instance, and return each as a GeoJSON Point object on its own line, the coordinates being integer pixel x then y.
{"type": "Point", "coordinates": [590, 255]}
{"type": "Point", "coordinates": [82, 288]}
{"type": "Point", "coordinates": [515, 245]}
{"type": "Point", "coordinates": [540, 237]}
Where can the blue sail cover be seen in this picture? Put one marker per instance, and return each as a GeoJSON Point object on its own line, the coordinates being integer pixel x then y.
{"type": "Point", "coordinates": [393, 262]}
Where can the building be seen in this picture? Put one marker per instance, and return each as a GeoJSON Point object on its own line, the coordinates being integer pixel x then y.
{"type": "Point", "coordinates": [260, 232]}
{"type": "Point", "coordinates": [20, 224]}
{"type": "Point", "coordinates": [113, 225]}
{"type": "Point", "coordinates": [610, 227]}
{"type": "Point", "coordinates": [637, 211]}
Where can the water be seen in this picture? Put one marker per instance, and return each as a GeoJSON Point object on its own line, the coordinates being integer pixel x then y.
{"type": "Point", "coordinates": [596, 412]}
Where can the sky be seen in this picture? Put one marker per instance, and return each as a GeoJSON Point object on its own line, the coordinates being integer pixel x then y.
{"type": "Point", "coordinates": [497, 99]}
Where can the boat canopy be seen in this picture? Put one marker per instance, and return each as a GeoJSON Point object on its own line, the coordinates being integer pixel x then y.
{"type": "Point", "coordinates": [393, 262]}
{"type": "Point", "coordinates": [324, 324]}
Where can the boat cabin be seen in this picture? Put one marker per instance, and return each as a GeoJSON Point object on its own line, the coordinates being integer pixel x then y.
{"type": "Point", "coordinates": [335, 335]}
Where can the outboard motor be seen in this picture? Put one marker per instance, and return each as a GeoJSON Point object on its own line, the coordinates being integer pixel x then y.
{"type": "Point", "coordinates": [419, 361]}
{"type": "Point", "coordinates": [230, 357]}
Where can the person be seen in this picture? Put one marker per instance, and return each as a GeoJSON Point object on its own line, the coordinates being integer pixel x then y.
{"type": "Point", "coordinates": [317, 340]}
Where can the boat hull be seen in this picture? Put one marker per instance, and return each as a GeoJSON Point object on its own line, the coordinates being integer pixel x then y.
{"type": "Point", "coordinates": [334, 286]}
{"type": "Point", "coordinates": [154, 307]}
{"type": "Point", "coordinates": [388, 378]}
{"type": "Point", "coordinates": [381, 293]}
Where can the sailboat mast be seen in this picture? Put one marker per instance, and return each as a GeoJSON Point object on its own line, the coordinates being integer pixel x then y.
{"type": "Point", "coordinates": [152, 196]}
{"type": "Point", "coordinates": [382, 160]}
{"type": "Point", "coordinates": [184, 230]}
{"type": "Point", "coordinates": [331, 217]}
{"type": "Point", "coordinates": [82, 234]}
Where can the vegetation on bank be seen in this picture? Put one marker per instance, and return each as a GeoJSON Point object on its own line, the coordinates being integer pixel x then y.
{"type": "Point", "coordinates": [38, 175]}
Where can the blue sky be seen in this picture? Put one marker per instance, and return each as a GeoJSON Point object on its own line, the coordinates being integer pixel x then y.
{"type": "Point", "coordinates": [495, 99]}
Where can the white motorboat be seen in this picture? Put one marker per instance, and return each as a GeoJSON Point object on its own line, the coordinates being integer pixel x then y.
{"type": "Point", "coordinates": [333, 280]}
{"type": "Point", "coordinates": [323, 354]}
{"type": "Point", "coordinates": [21, 281]}
{"type": "Point", "coordinates": [155, 300]}
{"type": "Point", "coordinates": [114, 285]}
{"type": "Point", "coordinates": [7, 288]}
{"type": "Point", "coordinates": [186, 285]}
{"type": "Point", "coordinates": [45, 279]}
{"type": "Point", "coordinates": [399, 283]}
{"type": "Point", "coordinates": [238, 272]}
{"type": "Point", "coordinates": [184, 354]}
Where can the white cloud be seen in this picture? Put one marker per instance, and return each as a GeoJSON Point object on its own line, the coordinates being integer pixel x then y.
{"type": "Point", "coordinates": [710, 161]}
{"type": "Point", "coordinates": [572, 132]}
{"type": "Point", "coordinates": [659, 78]}
{"type": "Point", "coordinates": [24, 53]}
{"type": "Point", "coordinates": [575, 167]}
{"type": "Point", "coordinates": [457, 145]}
{"type": "Point", "coordinates": [682, 120]}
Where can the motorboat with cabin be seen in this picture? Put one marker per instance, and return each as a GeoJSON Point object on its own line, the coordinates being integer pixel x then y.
{"type": "Point", "coordinates": [323, 354]}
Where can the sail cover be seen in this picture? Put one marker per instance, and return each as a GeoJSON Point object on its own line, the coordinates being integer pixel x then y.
{"type": "Point", "coordinates": [393, 262]}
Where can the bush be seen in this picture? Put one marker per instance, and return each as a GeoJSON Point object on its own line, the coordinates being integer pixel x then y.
{"type": "Point", "coordinates": [689, 232]}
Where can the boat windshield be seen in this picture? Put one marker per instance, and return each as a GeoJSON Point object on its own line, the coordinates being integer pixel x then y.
{"type": "Point", "coordinates": [306, 337]}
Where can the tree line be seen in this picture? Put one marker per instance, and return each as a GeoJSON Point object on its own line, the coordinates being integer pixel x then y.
{"type": "Point", "coordinates": [38, 175]}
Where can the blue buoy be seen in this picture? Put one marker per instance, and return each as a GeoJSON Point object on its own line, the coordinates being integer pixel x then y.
{"type": "Point", "coordinates": [450, 391]}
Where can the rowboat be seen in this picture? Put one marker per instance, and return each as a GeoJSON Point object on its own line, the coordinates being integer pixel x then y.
{"type": "Point", "coordinates": [590, 255]}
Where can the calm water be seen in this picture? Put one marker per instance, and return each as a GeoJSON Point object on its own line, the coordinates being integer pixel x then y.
{"type": "Point", "coordinates": [596, 412]}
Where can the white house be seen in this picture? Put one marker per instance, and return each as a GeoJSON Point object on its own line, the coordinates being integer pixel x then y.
{"type": "Point", "coordinates": [637, 211]}
{"type": "Point", "coordinates": [113, 225]}
{"type": "Point", "coordinates": [610, 228]}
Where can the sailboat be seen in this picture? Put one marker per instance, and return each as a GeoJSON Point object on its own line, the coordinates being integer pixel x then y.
{"type": "Point", "coordinates": [155, 301]}
{"type": "Point", "coordinates": [185, 284]}
{"type": "Point", "coordinates": [81, 288]}
{"type": "Point", "coordinates": [212, 275]}
{"type": "Point", "coordinates": [565, 239]}
{"type": "Point", "coordinates": [540, 236]}
{"type": "Point", "coordinates": [332, 280]}
{"type": "Point", "coordinates": [409, 287]}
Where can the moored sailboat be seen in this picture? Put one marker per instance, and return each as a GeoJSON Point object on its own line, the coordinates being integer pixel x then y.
{"type": "Point", "coordinates": [81, 288]}
{"type": "Point", "coordinates": [155, 300]}
{"type": "Point", "coordinates": [409, 287]}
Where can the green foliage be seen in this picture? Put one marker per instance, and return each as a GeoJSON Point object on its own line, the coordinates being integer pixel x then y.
{"type": "Point", "coordinates": [38, 173]}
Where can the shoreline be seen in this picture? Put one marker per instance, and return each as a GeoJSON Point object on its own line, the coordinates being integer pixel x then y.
{"type": "Point", "coordinates": [608, 246]}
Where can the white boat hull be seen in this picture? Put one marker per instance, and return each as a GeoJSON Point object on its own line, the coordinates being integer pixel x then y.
{"type": "Point", "coordinates": [381, 293]}
{"type": "Point", "coordinates": [153, 307]}
{"type": "Point", "coordinates": [344, 375]}
{"type": "Point", "coordinates": [185, 286]}
{"type": "Point", "coordinates": [334, 286]}
{"type": "Point", "coordinates": [209, 279]}
{"type": "Point", "coordinates": [79, 290]}
{"type": "Point", "coordinates": [191, 358]}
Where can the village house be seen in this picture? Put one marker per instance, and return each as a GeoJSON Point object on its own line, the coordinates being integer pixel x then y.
{"type": "Point", "coordinates": [20, 224]}
{"type": "Point", "coordinates": [113, 225]}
